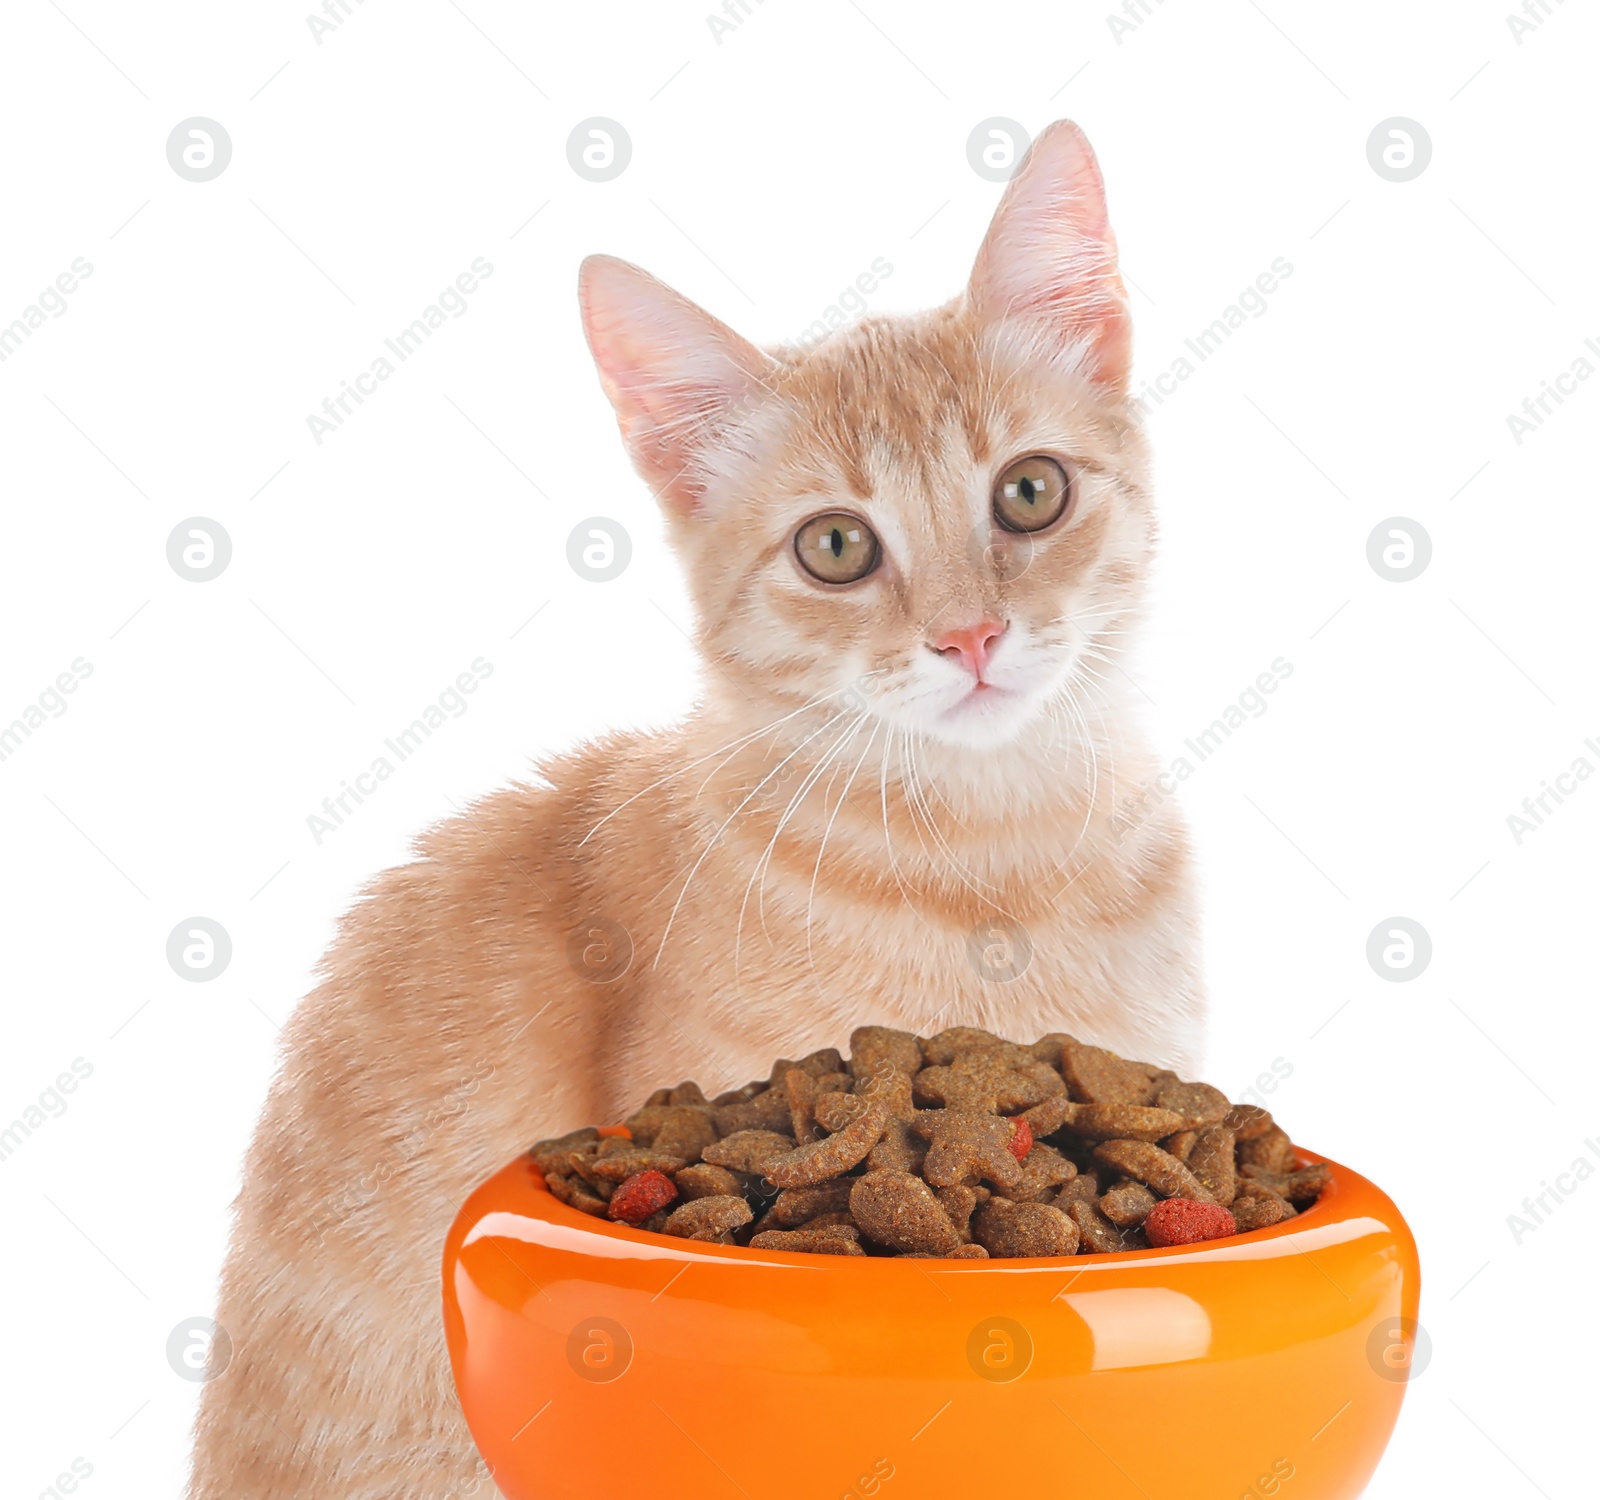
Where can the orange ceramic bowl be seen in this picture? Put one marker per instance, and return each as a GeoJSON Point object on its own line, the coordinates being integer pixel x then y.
{"type": "Point", "coordinates": [595, 1361]}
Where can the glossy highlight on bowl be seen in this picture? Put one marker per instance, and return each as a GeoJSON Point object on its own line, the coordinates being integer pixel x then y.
{"type": "Point", "coordinates": [594, 1360]}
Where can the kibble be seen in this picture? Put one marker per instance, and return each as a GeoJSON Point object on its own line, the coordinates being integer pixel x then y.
{"type": "Point", "coordinates": [1010, 1230]}
{"type": "Point", "coordinates": [900, 1212]}
{"type": "Point", "coordinates": [708, 1219]}
{"type": "Point", "coordinates": [641, 1195]}
{"type": "Point", "coordinates": [959, 1146]}
{"type": "Point", "coordinates": [1183, 1221]}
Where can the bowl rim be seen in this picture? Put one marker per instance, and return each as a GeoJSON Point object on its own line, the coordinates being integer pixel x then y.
{"type": "Point", "coordinates": [1343, 1183]}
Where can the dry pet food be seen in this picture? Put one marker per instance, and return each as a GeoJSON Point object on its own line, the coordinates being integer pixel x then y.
{"type": "Point", "coordinates": [960, 1146]}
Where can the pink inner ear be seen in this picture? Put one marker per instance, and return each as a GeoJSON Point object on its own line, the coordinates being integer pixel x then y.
{"type": "Point", "coordinates": [1050, 257]}
{"type": "Point", "coordinates": [670, 369]}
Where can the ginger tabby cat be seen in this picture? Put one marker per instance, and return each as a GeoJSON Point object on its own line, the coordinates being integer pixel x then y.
{"type": "Point", "coordinates": [916, 549]}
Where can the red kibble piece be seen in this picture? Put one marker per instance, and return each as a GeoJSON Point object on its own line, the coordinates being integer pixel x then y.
{"type": "Point", "coordinates": [1183, 1221]}
{"type": "Point", "coordinates": [1021, 1143]}
{"type": "Point", "coordinates": [643, 1194]}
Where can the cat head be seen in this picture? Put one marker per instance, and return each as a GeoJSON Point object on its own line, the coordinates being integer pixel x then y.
{"type": "Point", "coordinates": [943, 517]}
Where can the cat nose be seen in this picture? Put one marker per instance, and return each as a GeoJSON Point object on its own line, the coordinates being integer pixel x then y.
{"type": "Point", "coordinates": [971, 645]}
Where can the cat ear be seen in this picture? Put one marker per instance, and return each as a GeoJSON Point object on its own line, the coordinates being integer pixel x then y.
{"type": "Point", "coordinates": [1050, 259]}
{"type": "Point", "coordinates": [673, 372]}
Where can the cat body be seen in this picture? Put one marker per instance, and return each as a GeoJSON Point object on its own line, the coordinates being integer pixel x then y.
{"type": "Point", "coordinates": [893, 804]}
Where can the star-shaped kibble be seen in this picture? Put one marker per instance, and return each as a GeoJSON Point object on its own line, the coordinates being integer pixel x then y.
{"type": "Point", "coordinates": [989, 1078]}
{"type": "Point", "coordinates": [968, 1143]}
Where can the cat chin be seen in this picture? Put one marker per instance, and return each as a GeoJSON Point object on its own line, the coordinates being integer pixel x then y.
{"type": "Point", "coordinates": [985, 720]}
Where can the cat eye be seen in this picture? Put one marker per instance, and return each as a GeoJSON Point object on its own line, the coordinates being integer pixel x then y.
{"type": "Point", "coordinates": [837, 547]}
{"type": "Point", "coordinates": [1031, 493]}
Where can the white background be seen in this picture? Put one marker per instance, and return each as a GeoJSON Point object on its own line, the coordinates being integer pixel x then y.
{"type": "Point", "coordinates": [429, 530]}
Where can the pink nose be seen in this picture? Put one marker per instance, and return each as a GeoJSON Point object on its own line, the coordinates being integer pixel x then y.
{"type": "Point", "coordinates": [971, 645]}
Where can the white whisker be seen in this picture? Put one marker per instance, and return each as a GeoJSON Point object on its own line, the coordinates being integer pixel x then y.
{"type": "Point", "coordinates": [744, 739]}
{"type": "Point", "coordinates": [815, 775]}
{"type": "Point", "coordinates": [822, 848]}
{"type": "Point", "coordinates": [806, 782]}
{"type": "Point", "coordinates": [888, 842]}
{"type": "Point", "coordinates": [966, 876]}
{"type": "Point", "coordinates": [711, 843]}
